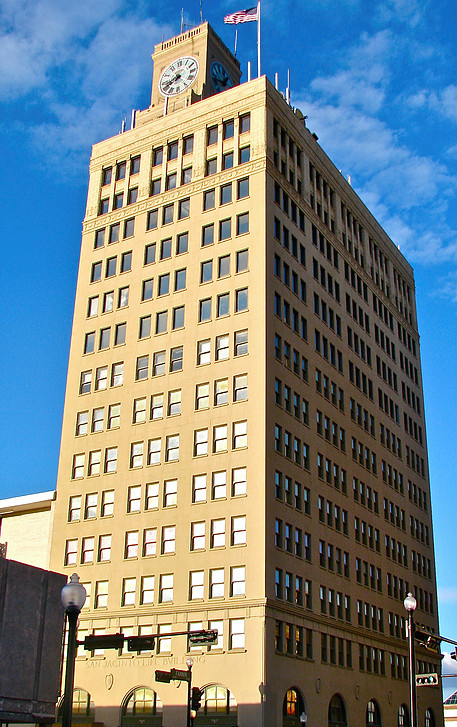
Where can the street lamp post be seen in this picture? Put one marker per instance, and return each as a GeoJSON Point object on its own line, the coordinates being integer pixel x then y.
{"type": "Point", "coordinates": [410, 604]}
{"type": "Point", "coordinates": [189, 663]}
{"type": "Point", "coordinates": [73, 599]}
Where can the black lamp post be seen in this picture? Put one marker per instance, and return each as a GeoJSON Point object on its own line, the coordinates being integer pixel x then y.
{"type": "Point", "coordinates": [73, 599]}
{"type": "Point", "coordinates": [189, 664]}
{"type": "Point", "coordinates": [410, 604]}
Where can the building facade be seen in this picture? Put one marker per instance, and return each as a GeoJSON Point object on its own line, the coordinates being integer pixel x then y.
{"type": "Point", "coordinates": [243, 443]}
{"type": "Point", "coordinates": [32, 514]}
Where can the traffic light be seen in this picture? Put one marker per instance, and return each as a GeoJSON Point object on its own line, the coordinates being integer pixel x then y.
{"type": "Point", "coordinates": [196, 701]}
{"type": "Point", "coordinates": [427, 680]}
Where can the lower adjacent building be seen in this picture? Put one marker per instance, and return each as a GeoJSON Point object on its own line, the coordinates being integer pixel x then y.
{"type": "Point", "coordinates": [26, 527]}
{"type": "Point", "coordinates": [243, 444]}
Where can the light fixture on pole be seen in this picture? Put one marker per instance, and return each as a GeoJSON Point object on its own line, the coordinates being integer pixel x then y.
{"type": "Point", "coordinates": [410, 604]}
{"type": "Point", "coordinates": [73, 597]}
{"type": "Point", "coordinates": [189, 664]}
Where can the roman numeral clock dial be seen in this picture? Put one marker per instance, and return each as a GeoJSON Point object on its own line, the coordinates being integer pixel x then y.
{"type": "Point", "coordinates": [178, 76]}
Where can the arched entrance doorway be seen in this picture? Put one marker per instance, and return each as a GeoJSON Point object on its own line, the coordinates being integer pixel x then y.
{"type": "Point", "coordinates": [337, 712]}
{"type": "Point", "coordinates": [141, 708]}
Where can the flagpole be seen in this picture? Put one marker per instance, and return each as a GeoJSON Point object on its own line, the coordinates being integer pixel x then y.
{"type": "Point", "coordinates": [236, 38]}
{"type": "Point", "coordinates": [258, 38]}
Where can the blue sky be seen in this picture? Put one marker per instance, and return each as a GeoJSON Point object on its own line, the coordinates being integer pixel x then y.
{"type": "Point", "coordinates": [378, 82]}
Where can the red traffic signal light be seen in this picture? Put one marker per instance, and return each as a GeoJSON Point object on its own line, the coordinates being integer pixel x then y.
{"type": "Point", "coordinates": [196, 700]}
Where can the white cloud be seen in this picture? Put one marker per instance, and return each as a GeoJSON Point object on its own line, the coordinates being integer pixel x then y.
{"type": "Point", "coordinates": [449, 665]}
{"type": "Point", "coordinates": [410, 12]}
{"type": "Point", "coordinates": [408, 191]}
{"type": "Point", "coordinates": [90, 64]}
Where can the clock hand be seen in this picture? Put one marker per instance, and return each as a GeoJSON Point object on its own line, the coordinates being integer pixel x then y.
{"type": "Point", "coordinates": [172, 80]}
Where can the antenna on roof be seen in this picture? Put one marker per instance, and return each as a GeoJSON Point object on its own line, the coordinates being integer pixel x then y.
{"type": "Point", "coordinates": [201, 11]}
{"type": "Point", "coordinates": [288, 87]}
{"type": "Point", "coordinates": [182, 19]}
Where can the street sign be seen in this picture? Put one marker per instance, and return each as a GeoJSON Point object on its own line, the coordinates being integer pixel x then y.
{"type": "Point", "coordinates": [182, 675]}
{"type": "Point", "coordinates": [427, 680]}
{"type": "Point", "coordinates": [204, 636]}
{"type": "Point", "coordinates": [140, 643]}
{"type": "Point", "coordinates": [163, 676]}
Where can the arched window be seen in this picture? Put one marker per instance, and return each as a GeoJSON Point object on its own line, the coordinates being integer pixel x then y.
{"type": "Point", "coordinates": [293, 707]}
{"type": "Point", "coordinates": [373, 714]}
{"type": "Point", "coordinates": [403, 716]}
{"type": "Point", "coordinates": [83, 709]}
{"type": "Point", "coordinates": [141, 706]}
{"type": "Point", "coordinates": [217, 699]}
{"type": "Point", "coordinates": [429, 718]}
{"type": "Point", "coordinates": [337, 712]}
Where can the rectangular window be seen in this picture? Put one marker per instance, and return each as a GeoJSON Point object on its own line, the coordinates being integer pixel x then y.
{"type": "Point", "coordinates": [101, 594]}
{"type": "Point", "coordinates": [239, 530]}
{"type": "Point", "coordinates": [227, 160]}
{"type": "Point", "coordinates": [204, 310]}
{"type": "Point", "coordinates": [172, 448]}
{"type": "Point", "coordinates": [197, 536]}
{"type": "Point", "coordinates": [238, 580]}
{"type": "Point", "coordinates": [240, 436]}
{"type": "Point", "coordinates": [131, 544]}
{"type": "Point", "coordinates": [147, 589]}
{"type": "Point", "coordinates": [196, 585]}
{"type": "Point", "coordinates": [183, 208]}
{"type": "Point", "coordinates": [202, 396]}
{"type": "Point", "coordinates": [222, 347]}
{"type": "Point", "coordinates": [226, 193]}
{"type": "Point", "coordinates": [168, 539]}
{"type": "Point", "coordinates": [241, 343]}
{"type": "Point", "coordinates": [221, 392]}
{"type": "Point", "coordinates": [223, 305]}
{"type": "Point", "coordinates": [161, 322]}
{"type": "Point", "coordinates": [199, 488]}
{"type": "Point", "coordinates": [142, 366]}
{"type": "Point", "coordinates": [152, 496]}
{"type": "Point", "coordinates": [170, 493]}
{"type": "Point", "coordinates": [207, 235]}
{"type": "Point", "coordinates": [241, 300]}
{"type": "Point", "coordinates": [200, 442]}
{"type": "Point", "coordinates": [71, 552]}
{"type": "Point", "coordinates": [220, 438]}
{"type": "Point", "coordinates": [225, 229]}
{"type": "Point", "coordinates": [242, 223]}
{"type": "Point", "coordinates": [110, 460]}
{"type": "Point", "coordinates": [216, 583]}
{"type": "Point", "coordinates": [174, 402]}
{"type": "Point", "coordinates": [240, 387]}
{"type": "Point", "coordinates": [236, 633]}
{"type": "Point", "coordinates": [150, 253]}
{"type": "Point", "coordinates": [238, 481]}
{"type": "Point", "coordinates": [218, 533]}
{"type": "Point", "coordinates": [178, 320]}
{"type": "Point", "coordinates": [128, 592]}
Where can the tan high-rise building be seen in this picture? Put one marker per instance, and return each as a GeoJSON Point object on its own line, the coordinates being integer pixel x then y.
{"type": "Point", "coordinates": [243, 443]}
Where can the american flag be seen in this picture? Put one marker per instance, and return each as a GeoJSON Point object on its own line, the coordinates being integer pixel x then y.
{"type": "Point", "coordinates": [242, 16]}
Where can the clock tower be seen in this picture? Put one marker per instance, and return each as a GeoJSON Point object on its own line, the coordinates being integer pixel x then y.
{"type": "Point", "coordinates": [188, 68]}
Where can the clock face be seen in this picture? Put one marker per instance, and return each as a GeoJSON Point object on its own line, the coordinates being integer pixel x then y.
{"type": "Point", "coordinates": [220, 77]}
{"type": "Point", "coordinates": [178, 76]}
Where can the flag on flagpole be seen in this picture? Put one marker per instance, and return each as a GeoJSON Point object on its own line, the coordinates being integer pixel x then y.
{"type": "Point", "coordinates": [242, 16]}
